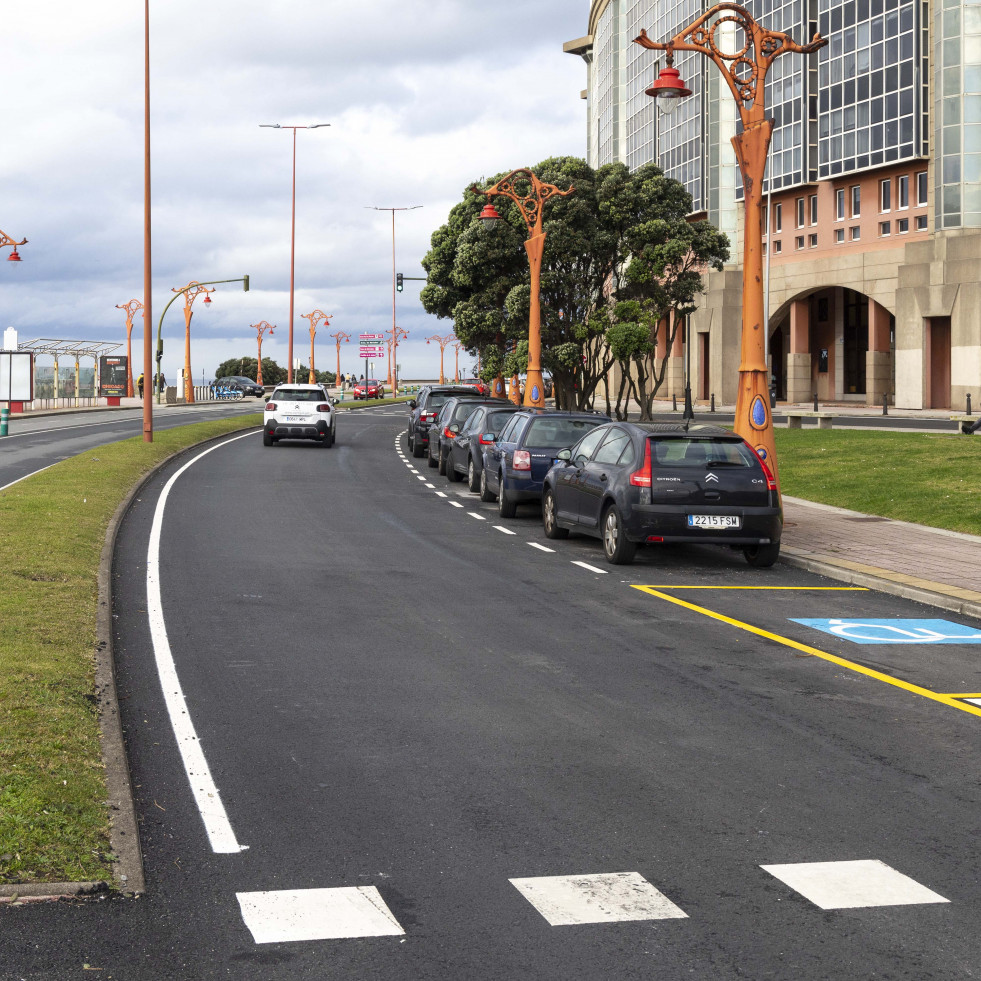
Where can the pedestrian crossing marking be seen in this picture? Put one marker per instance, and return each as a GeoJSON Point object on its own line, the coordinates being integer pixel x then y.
{"type": "Point", "coordinates": [853, 885]}
{"type": "Point", "coordinates": [565, 900]}
{"type": "Point", "coordinates": [317, 914]}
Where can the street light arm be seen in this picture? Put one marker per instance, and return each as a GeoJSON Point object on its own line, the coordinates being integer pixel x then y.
{"type": "Point", "coordinates": [5, 239]}
{"type": "Point", "coordinates": [529, 193]}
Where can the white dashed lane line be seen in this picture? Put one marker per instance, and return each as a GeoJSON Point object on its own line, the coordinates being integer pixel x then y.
{"type": "Point", "coordinates": [541, 548]}
{"type": "Point", "coordinates": [456, 504]}
{"type": "Point", "coordinates": [591, 568]}
{"type": "Point", "coordinates": [506, 531]}
{"type": "Point", "coordinates": [440, 494]}
{"type": "Point", "coordinates": [479, 517]}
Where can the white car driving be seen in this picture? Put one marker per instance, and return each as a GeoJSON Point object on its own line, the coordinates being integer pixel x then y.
{"type": "Point", "coordinates": [296, 411]}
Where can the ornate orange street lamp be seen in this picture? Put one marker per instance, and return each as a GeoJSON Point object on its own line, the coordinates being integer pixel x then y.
{"type": "Point", "coordinates": [5, 240]}
{"type": "Point", "coordinates": [315, 318]}
{"type": "Point", "coordinates": [191, 292]}
{"type": "Point", "coordinates": [397, 335]}
{"type": "Point", "coordinates": [262, 328]}
{"type": "Point", "coordinates": [339, 337]}
{"type": "Point", "coordinates": [456, 364]}
{"type": "Point", "coordinates": [530, 195]}
{"type": "Point", "coordinates": [130, 309]}
{"type": "Point", "coordinates": [745, 73]}
{"type": "Point", "coordinates": [442, 342]}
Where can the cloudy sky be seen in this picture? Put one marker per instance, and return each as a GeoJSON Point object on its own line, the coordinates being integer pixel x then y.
{"type": "Point", "coordinates": [423, 97]}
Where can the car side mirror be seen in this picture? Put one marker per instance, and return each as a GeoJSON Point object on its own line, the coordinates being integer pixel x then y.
{"type": "Point", "coordinates": [564, 455]}
{"type": "Point", "coordinates": [266, 398]}
{"type": "Point", "coordinates": [412, 404]}
{"type": "Point", "coordinates": [488, 437]}
{"type": "Point", "coordinates": [455, 430]}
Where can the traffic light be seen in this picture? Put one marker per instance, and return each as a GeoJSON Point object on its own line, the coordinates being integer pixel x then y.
{"type": "Point", "coordinates": [398, 282]}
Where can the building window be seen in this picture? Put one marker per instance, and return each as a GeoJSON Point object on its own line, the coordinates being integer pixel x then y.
{"type": "Point", "coordinates": [921, 223]}
{"type": "Point", "coordinates": [856, 232]}
{"type": "Point", "coordinates": [856, 200]}
{"type": "Point", "coordinates": [777, 247]}
{"type": "Point", "coordinates": [885, 228]}
{"type": "Point", "coordinates": [840, 204]}
{"type": "Point", "coordinates": [839, 235]}
{"type": "Point", "coordinates": [812, 241]}
{"type": "Point", "coordinates": [814, 209]}
{"type": "Point", "coordinates": [885, 195]}
{"type": "Point", "coordinates": [778, 217]}
{"type": "Point", "coordinates": [799, 242]}
{"type": "Point", "coordinates": [800, 212]}
{"type": "Point", "coordinates": [921, 189]}
{"type": "Point", "coordinates": [902, 226]}
{"type": "Point", "coordinates": [902, 191]}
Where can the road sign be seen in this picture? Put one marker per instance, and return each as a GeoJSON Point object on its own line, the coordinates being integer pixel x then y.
{"type": "Point", "coordinates": [373, 353]}
{"type": "Point", "coordinates": [363, 338]}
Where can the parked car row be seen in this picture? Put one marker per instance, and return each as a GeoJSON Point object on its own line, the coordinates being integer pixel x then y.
{"type": "Point", "coordinates": [628, 484]}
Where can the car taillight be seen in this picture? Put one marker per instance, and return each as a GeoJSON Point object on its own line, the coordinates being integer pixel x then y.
{"type": "Point", "coordinates": [271, 406]}
{"type": "Point", "coordinates": [642, 477]}
{"type": "Point", "coordinates": [771, 481]}
{"type": "Point", "coordinates": [323, 407]}
{"type": "Point", "coordinates": [521, 461]}
{"type": "Point", "coordinates": [447, 434]}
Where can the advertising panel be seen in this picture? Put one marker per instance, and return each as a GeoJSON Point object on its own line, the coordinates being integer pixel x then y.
{"type": "Point", "coordinates": [16, 376]}
{"type": "Point", "coordinates": [112, 375]}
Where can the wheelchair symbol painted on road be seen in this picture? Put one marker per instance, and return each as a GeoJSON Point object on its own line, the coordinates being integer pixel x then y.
{"type": "Point", "coordinates": [896, 631]}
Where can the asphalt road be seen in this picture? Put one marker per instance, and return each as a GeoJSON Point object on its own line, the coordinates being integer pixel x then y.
{"type": "Point", "coordinates": [416, 716]}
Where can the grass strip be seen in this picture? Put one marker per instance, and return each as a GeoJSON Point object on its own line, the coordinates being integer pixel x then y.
{"type": "Point", "coordinates": [927, 478]}
{"type": "Point", "coordinates": [54, 820]}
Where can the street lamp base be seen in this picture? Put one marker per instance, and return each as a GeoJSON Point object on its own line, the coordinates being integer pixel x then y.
{"type": "Point", "coordinates": [534, 389]}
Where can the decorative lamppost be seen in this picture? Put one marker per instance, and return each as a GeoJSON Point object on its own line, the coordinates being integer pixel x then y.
{"type": "Point", "coordinates": [130, 309]}
{"type": "Point", "coordinates": [339, 337]}
{"type": "Point", "coordinates": [530, 195]}
{"type": "Point", "coordinates": [289, 367]}
{"type": "Point", "coordinates": [397, 335]}
{"type": "Point", "coordinates": [191, 292]}
{"type": "Point", "coordinates": [5, 240]}
{"type": "Point", "coordinates": [262, 328]}
{"type": "Point", "coordinates": [456, 363]}
{"type": "Point", "coordinates": [315, 318]}
{"type": "Point", "coordinates": [442, 342]}
{"type": "Point", "coordinates": [745, 73]}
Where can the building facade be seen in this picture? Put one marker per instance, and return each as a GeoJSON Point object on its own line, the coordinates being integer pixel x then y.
{"type": "Point", "coordinates": [873, 224]}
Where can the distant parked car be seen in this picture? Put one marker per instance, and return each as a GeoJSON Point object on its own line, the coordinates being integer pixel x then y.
{"type": "Point", "coordinates": [369, 389]}
{"type": "Point", "coordinates": [241, 384]}
{"type": "Point", "coordinates": [632, 483]}
{"type": "Point", "coordinates": [465, 454]}
{"type": "Point", "coordinates": [450, 419]}
{"type": "Point", "coordinates": [478, 384]}
{"type": "Point", "coordinates": [423, 409]}
{"type": "Point", "coordinates": [515, 466]}
{"type": "Point", "coordinates": [299, 412]}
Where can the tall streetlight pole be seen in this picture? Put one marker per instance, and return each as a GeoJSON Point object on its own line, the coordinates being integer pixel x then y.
{"type": "Point", "coordinates": [262, 328]}
{"type": "Point", "coordinates": [289, 367]}
{"type": "Point", "coordinates": [393, 384]}
{"type": "Point", "coordinates": [530, 195]}
{"type": "Point", "coordinates": [147, 263]}
{"type": "Point", "coordinates": [340, 337]}
{"type": "Point", "coordinates": [315, 318]}
{"type": "Point", "coordinates": [745, 73]}
{"type": "Point", "coordinates": [442, 342]}
{"type": "Point", "coordinates": [130, 309]}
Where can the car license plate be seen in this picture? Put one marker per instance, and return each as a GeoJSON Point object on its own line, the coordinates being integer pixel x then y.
{"type": "Point", "coordinates": [713, 521]}
{"type": "Point", "coordinates": [296, 418]}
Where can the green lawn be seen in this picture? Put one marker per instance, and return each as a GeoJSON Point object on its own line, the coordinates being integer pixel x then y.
{"type": "Point", "coordinates": [929, 479]}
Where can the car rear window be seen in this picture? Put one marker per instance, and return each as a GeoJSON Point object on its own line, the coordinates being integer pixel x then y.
{"type": "Point", "coordinates": [300, 395]}
{"type": "Point", "coordinates": [558, 433]}
{"type": "Point", "coordinates": [703, 453]}
{"type": "Point", "coordinates": [463, 411]}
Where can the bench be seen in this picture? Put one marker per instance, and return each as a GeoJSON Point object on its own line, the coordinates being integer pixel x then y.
{"type": "Point", "coordinates": [823, 418]}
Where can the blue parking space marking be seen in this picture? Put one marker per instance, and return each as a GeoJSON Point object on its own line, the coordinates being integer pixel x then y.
{"type": "Point", "coordinates": [895, 631]}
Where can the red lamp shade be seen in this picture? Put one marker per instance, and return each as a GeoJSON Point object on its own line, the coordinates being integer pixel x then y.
{"type": "Point", "coordinates": [14, 256]}
{"type": "Point", "coordinates": [669, 87]}
{"type": "Point", "coordinates": [207, 301]}
{"type": "Point", "coordinates": [489, 215]}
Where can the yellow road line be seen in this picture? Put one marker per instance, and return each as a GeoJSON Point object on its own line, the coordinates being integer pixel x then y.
{"type": "Point", "coordinates": [949, 700]}
{"type": "Point", "coordinates": [793, 589]}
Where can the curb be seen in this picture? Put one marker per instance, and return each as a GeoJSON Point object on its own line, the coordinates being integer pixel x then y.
{"type": "Point", "coordinates": [124, 837]}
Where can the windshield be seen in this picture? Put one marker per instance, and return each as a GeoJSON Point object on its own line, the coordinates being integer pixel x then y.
{"type": "Point", "coordinates": [299, 395]}
{"type": "Point", "coordinates": [703, 453]}
{"type": "Point", "coordinates": [554, 433]}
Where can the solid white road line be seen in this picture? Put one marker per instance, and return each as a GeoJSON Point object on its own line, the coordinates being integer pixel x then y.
{"type": "Point", "coordinates": [26, 475]}
{"type": "Point", "coordinates": [591, 568]}
{"type": "Point", "coordinates": [205, 791]}
{"type": "Point", "coordinates": [541, 548]}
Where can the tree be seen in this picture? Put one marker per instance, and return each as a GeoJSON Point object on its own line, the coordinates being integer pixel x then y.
{"type": "Point", "coordinates": [620, 236]}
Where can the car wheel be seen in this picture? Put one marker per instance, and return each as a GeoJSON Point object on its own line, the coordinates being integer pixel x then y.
{"type": "Point", "coordinates": [552, 530]}
{"type": "Point", "coordinates": [486, 494]}
{"type": "Point", "coordinates": [329, 439]}
{"type": "Point", "coordinates": [506, 508]}
{"type": "Point", "coordinates": [267, 440]}
{"type": "Point", "coordinates": [451, 474]}
{"type": "Point", "coordinates": [417, 450]}
{"type": "Point", "coordinates": [762, 556]}
{"type": "Point", "coordinates": [441, 465]}
{"type": "Point", "coordinates": [473, 481]}
{"type": "Point", "coordinates": [618, 550]}
{"type": "Point", "coordinates": [429, 457]}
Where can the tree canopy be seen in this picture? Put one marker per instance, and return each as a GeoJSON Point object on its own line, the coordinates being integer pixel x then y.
{"type": "Point", "coordinates": [272, 373]}
{"type": "Point", "coordinates": [619, 237]}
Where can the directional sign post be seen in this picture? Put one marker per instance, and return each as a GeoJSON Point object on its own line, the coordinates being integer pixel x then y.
{"type": "Point", "coordinates": [372, 346]}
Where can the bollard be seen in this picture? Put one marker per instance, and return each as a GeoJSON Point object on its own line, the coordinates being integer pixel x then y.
{"type": "Point", "coordinates": [885, 404]}
{"type": "Point", "coordinates": [713, 403]}
{"type": "Point", "coordinates": [968, 404]}
{"type": "Point", "coordinates": [815, 402]}
{"type": "Point", "coordinates": [674, 403]}
{"type": "Point", "coordinates": [4, 421]}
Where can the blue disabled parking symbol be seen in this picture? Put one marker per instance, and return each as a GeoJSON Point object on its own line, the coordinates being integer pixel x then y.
{"type": "Point", "coordinates": [896, 631]}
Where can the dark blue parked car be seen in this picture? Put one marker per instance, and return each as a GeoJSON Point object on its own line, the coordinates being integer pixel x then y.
{"type": "Point", "coordinates": [516, 463]}
{"type": "Point", "coordinates": [465, 456]}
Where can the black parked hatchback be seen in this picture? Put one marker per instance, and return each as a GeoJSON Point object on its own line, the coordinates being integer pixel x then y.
{"type": "Point", "coordinates": [423, 409]}
{"type": "Point", "coordinates": [634, 483]}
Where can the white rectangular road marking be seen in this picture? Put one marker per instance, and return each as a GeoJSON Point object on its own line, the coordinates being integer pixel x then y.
{"type": "Point", "coordinates": [507, 531]}
{"type": "Point", "coordinates": [479, 517]}
{"type": "Point", "coordinates": [317, 914]}
{"type": "Point", "coordinates": [431, 486]}
{"type": "Point", "coordinates": [591, 568]}
{"type": "Point", "coordinates": [851, 885]}
{"type": "Point", "coordinates": [541, 548]}
{"type": "Point", "coordinates": [440, 494]}
{"type": "Point", "coordinates": [419, 476]}
{"type": "Point", "coordinates": [455, 504]}
{"type": "Point", "coordinates": [606, 898]}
